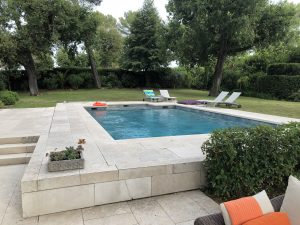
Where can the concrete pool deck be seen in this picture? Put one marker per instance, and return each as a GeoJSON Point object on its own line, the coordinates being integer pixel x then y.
{"type": "Point", "coordinates": [114, 171]}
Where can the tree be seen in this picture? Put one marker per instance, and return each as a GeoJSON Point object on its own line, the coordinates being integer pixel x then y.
{"type": "Point", "coordinates": [143, 50]}
{"type": "Point", "coordinates": [126, 21]}
{"type": "Point", "coordinates": [26, 30]}
{"type": "Point", "coordinates": [108, 43]}
{"type": "Point", "coordinates": [64, 60]}
{"type": "Point", "coordinates": [204, 28]}
{"type": "Point", "coordinates": [78, 24]}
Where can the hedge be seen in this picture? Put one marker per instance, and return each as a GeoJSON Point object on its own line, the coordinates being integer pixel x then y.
{"type": "Point", "coordinates": [244, 161]}
{"type": "Point", "coordinates": [279, 86]}
{"type": "Point", "coordinates": [77, 77]}
{"type": "Point", "coordinates": [292, 69]}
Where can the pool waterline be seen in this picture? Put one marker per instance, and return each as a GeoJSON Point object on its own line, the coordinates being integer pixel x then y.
{"type": "Point", "coordinates": [131, 121]}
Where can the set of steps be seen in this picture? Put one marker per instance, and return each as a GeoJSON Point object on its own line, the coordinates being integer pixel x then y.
{"type": "Point", "coordinates": [16, 150]}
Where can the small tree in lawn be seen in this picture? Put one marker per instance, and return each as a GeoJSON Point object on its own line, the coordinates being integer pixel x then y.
{"type": "Point", "coordinates": [143, 46]}
{"type": "Point", "coordinates": [204, 28]}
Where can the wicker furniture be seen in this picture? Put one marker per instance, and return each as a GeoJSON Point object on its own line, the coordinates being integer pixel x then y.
{"type": "Point", "coordinates": [217, 219]}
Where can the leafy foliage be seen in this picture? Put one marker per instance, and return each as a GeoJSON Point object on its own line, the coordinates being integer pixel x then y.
{"type": "Point", "coordinates": [143, 47]}
{"type": "Point", "coordinates": [200, 29]}
{"type": "Point", "coordinates": [108, 44]}
{"type": "Point", "coordinates": [75, 81]}
{"type": "Point", "coordinates": [280, 86]}
{"type": "Point", "coordinates": [126, 22]}
{"type": "Point", "coordinates": [244, 161]}
{"type": "Point", "coordinates": [284, 69]}
{"type": "Point", "coordinates": [295, 97]}
{"type": "Point", "coordinates": [8, 97]}
{"type": "Point", "coordinates": [2, 85]}
{"type": "Point", "coordinates": [1, 104]}
{"type": "Point", "coordinates": [69, 154]}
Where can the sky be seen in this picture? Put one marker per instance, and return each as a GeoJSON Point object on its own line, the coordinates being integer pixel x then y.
{"type": "Point", "coordinates": [117, 8]}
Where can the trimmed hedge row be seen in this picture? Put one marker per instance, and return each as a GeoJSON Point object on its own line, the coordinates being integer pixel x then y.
{"type": "Point", "coordinates": [76, 77]}
{"type": "Point", "coordinates": [280, 86]}
{"type": "Point", "coordinates": [244, 161]}
{"type": "Point", "coordinates": [292, 69]}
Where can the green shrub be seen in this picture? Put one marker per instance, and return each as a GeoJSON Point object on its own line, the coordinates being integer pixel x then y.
{"type": "Point", "coordinates": [230, 79]}
{"type": "Point", "coordinates": [2, 85]}
{"type": "Point", "coordinates": [244, 161]}
{"type": "Point", "coordinates": [9, 97]}
{"type": "Point", "coordinates": [75, 81]}
{"type": "Point", "coordinates": [129, 80]}
{"type": "Point", "coordinates": [292, 69]}
{"type": "Point", "coordinates": [70, 153]}
{"type": "Point", "coordinates": [281, 87]}
{"type": "Point", "coordinates": [295, 55]}
{"type": "Point", "coordinates": [88, 78]}
{"type": "Point", "coordinates": [112, 81]}
{"type": "Point", "coordinates": [50, 83]}
{"type": "Point", "coordinates": [1, 104]}
{"type": "Point", "coordinates": [295, 97]}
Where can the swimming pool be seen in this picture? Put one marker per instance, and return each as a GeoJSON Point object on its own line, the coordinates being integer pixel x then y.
{"type": "Point", "coordinates": [146, 121]}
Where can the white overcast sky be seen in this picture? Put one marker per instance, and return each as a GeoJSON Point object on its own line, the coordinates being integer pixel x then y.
{"type": "Point", "coordinates": [117, 8]}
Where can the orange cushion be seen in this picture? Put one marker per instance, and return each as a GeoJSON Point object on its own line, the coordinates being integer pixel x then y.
{"type": "Point", "coordinates": [276, 218]}
{"type": "Point", "coordinates": [242, 210]}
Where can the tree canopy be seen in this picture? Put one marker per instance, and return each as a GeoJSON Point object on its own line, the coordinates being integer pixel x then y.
{"type": "Point", "coordinates": [143, 47]}
{"type": "Point", "coordinates": [27, 29]}
{"type": "Point", "coordinates": [222, 28]}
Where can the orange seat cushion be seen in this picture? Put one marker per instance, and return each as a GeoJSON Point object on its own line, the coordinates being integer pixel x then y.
{"type": "Point", "coordinates": [242, 210]}
{"type": "Point", "coordinates": [276, 218]}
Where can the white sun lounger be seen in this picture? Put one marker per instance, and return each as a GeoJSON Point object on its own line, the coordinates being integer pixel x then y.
{"type": "Point", "coordinates": [166, 96]}
{"type": "Point", "coordinates": [219, 98]}
{"type": "Point", "coordinates": [230, 101]}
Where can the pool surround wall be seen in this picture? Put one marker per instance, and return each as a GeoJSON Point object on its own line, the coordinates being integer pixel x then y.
{"type": "Point", "coordinates": [114, 171]}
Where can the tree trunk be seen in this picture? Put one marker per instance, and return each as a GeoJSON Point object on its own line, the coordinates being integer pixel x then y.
{"type": "Point", "coordinates": [93, 66]}
{"type": "Point", "coordinates": [28, 63]}
{"type": "Point", "coordinates": [215, 89]}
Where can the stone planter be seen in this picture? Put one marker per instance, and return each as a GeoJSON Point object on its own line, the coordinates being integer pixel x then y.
{"type": "Point", "coordinates": [54, 166]}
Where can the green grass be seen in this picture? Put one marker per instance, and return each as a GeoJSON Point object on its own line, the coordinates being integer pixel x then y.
{"type": "Point", "coordinates": [50, 98]}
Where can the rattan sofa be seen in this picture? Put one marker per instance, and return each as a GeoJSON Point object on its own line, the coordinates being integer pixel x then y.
{"type": "Point", "coordinates": [217, 219]}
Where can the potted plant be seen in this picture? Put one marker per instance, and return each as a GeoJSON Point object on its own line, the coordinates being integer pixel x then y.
{"type": "Point", "coordinates": [70, 158]}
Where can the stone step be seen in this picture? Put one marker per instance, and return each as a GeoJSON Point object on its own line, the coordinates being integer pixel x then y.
{"type": "Point", "coordinates": [18, 140]}
{"type": "Point", "coordinates": [14, 159]}
{"type": "Point", "coordinates": [17, 148]}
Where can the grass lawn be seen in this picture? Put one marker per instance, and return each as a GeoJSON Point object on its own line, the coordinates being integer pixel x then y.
{"type": "Point", "coordinates": [50, 98]}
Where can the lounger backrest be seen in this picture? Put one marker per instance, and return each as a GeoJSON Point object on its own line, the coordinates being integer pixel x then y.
{"type": "Point", "coordinates": [221, 96]}
{"type": "Point", "coordinates": [234, 96]}
{"type": "Point", "coordinates": [164, 93]}
{"type": "Point", "coordinates": [149, 93]}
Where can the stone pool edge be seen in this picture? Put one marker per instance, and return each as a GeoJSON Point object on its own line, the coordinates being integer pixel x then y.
{"type": "Point", "coordinates": [102, 182]}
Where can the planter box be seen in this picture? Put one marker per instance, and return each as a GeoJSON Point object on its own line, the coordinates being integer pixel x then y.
{"type": "Point", "coordinates": [54, 166]}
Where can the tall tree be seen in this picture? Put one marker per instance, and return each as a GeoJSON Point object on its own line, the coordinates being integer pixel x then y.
{"type": "Point", "coordinates": [126, 21]}
{"type": "Point", "coordinates": [143, 50]}
{"type": "Point", "coordinates": [204, 28]}
{"type": "Point", "coordinates": [108, 43]}
{"type": "Point", "coordinates": [78, 24]}
{"type": "Point", "coordinates": [26, 30]}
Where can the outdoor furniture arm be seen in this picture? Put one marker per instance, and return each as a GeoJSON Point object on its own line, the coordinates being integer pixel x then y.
{"type": "Point", "coordinates": [217, 218]}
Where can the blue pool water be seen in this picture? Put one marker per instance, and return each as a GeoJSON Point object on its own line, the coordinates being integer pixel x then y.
{"type": "Point", "coordinates": [143, 122]}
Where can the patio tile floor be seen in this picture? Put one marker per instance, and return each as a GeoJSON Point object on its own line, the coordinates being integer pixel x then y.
{"type": "Point", "coordinates": [174, 209]}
